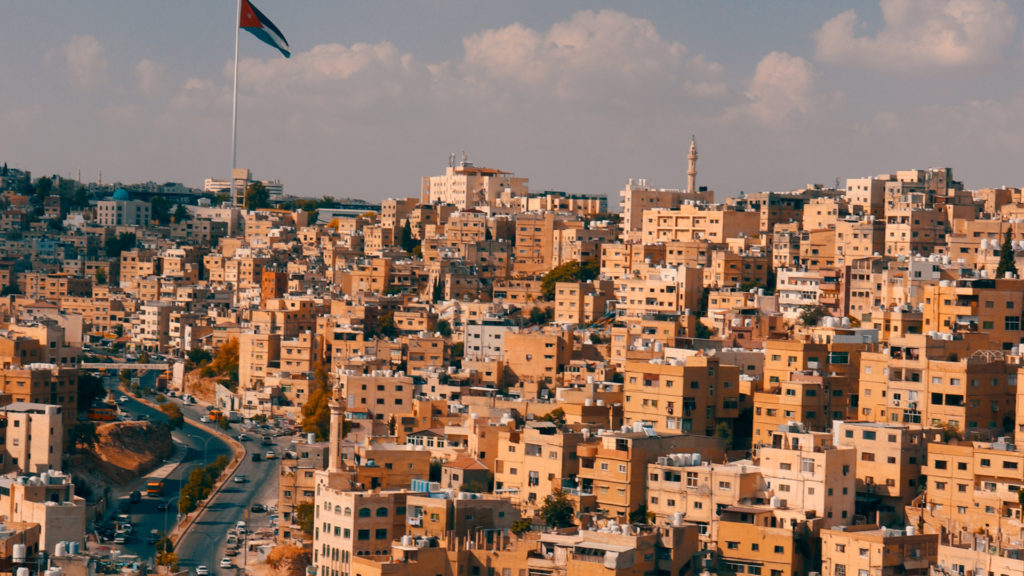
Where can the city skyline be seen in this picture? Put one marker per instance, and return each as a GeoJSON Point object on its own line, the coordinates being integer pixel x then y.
{"type": "Point", "coordinates": [578, 97]}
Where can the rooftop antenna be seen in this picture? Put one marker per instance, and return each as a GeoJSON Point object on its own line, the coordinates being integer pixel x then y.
{"type": "Point", "coordinates": [451, 160]}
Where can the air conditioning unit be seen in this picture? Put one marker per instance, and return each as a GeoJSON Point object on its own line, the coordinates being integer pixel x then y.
{"type": "Point", "coordinates": [895, 402]}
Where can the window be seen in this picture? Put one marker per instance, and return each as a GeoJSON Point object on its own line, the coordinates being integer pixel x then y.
{"type": "Point", "coordinates": [868, 435]}
{"type": "Point", "coordinates": [363, 535]}
{"type": "Point", "coordinates": [780, 550]}
{"type": "Point", "coordinates": [840, 570]}
{"type": "Point", "coordinates": [381, 534]}
{"type": "Point", "coordinates": [691, 479]}
{"type": "Point", "coordinates": [364, 512]}
{"type": "Point", "coordinates": [733, 545]}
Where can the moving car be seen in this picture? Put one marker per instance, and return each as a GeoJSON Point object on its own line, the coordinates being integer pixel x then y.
{"type": "Point", "coordinates": [239, 478]}
{"type": "Point", "coordinates": [257, 507]}
{"type": "Point", "coordinates": [161, 506]}
{"type": "Point", "coordinates": [122, 399]}
{"type": "Point", "coordinates": [256, 457]}
{"type": "Point", "coordinates": [271, 455]}
{"type": "Point", "coordinates": [202, 571]}
{"type": "Point", "coordinates": [204, 420]}
{"type": "Point", "coordinates": [154, 535]}
{"type": "Point", "coordinates": [242, 437]}
{"type": "Point", "coordinates": [120, 538]}
{"type": "Point", "coordinates": [225, 562]}
{"type": "Point", "coordinates": [135, 496]}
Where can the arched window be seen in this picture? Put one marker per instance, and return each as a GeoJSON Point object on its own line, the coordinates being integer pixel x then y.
{"type": "Point", "coordinates": [337, 509]}
{"type": "Point", "coordinates": [364, 512]}
{"type": "Point", "coordinates": [348, 511]}
{"type": "Point", "coordinates": [382, 511]}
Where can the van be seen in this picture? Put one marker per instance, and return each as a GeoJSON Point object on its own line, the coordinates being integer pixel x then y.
{"type": "Point", "coordinates": [120, 538]}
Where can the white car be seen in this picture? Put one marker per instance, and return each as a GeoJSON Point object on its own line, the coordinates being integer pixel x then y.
{"type": "Point", "coordinates": [122, 399]}
{"type": "Point", "coordinates": [204, 420]}
{"type": "Point", "coordinates": [225, 562]}
{"type": "Point", "coordinates": [202, 571]}
{"type": "Point", "coordinates": [240, 478]}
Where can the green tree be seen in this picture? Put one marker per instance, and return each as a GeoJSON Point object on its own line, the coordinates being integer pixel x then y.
{"type": "Point", "coordinates": [434, 472]}
{"type": "Point", "coordinates": [457, 353]}
{"type": "Point", "coordinates": [181, 213]}
{"type": "Point", "coordinates": [9, 290]}
{"type": "Point", "coordinates": [120, 243]}
{"type": "Point", "coordinates": [257, 197]}
{"type": "Point", "coordinates": [43, 188]}
{"type": "Point", "coordinates": [569, 272]}
{"type": "Point", "coordinates": [444, 328]}
{"type": "Point", "coordinates": [223, 423]}
{"type": "Point", "coordinates": [119, 330]}
{"type": "Point", "coordinates": [90, 389]}
{"type": "Point", "coordinates": [161, 208]}
{"type": "Point", "coordinates": [557, 511]}
{"type": "Point", "coordinates": [125, 376]}
{"type": "Point", "coordinates": [407, 241]}
{"type": "Point", "coordinates": [539, 317]}
{"type": "Point", "coordinates": [101, 276]}
{"type": "Point", "coordinates": [197, 357]}
{"type": "Point", "coordinates": [438, 292]}
{"type": "Point", "coordinates": [84, 434]}
{"type": "Point", "coordinates": [392, 425]}
{"type": "Point", "coordinates": [641, 515]}
{"type": "Point", "coordinates": [810, 315]}
{"type": "Point", "coordinates": [703, 331]}
{"type": "Point", "coordinates": [522, 526]}
{"type": "Point", "coordinates": [724, 431]}
{"type": "Point", "coordinates": [1006, 263]}
{"type": "Point", "coordinates": [304, 517]}
{"type": "Point", "coordinates": [556, 417]}
{"type": "Point", "coordinates": [386, 325]}
{"type": "Point", "coordinates": [144, 358]}
{"type": "Point", "coordinates": [80, 198]}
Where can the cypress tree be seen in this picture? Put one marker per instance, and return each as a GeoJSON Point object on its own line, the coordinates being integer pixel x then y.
{"type": "Point", "coordinates": [1006, 263]}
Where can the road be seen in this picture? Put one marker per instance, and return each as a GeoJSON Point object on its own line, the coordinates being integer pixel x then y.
{"type": "Point", "coordinates": [205, 542]}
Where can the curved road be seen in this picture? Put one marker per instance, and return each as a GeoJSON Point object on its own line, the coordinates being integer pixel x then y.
{"type": "Point", "coordinates": [204, 543]}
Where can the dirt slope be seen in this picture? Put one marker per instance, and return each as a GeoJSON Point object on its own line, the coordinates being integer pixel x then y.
{"type": "Point", "coordinates": [127, 450]}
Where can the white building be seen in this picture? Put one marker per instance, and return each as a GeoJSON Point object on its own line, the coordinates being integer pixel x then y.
{"type": "Point", "coordinates": [121, 210]}
{"type": "Point", "coordinates": [796, 289]}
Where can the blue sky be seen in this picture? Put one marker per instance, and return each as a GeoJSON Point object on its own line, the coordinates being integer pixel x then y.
{"type": "Point", "coordinates": [577, 96]}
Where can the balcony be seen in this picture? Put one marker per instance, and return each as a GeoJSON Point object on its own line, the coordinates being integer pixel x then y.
{"type": "Point", "coordinates": [586, 450]}
{"type": "Point", "coordinates": [415, 521]}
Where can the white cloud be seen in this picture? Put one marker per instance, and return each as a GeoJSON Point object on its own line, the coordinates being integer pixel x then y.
{"type": "Point", "coordinates": [782, 85]}
{"type": "Point", "coordinates": [150, 76]}
{"type": "Point", "coordinates": [591, 56]}
{"type": "Point", "coordinates": [87, 64]}
{"type": "Point", "coordinates": [921, 34]}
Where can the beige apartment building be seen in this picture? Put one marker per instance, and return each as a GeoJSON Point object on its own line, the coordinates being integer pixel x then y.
{"type": "Point", "coordinates": [638, 196]}
{"type": "Point", "coordinates": [582, 302]}
{"type": "Point", "coordinates": [33, 442]}
{"type": "Point", "coordinates": [869, 549]}
{"type": "Point", "coordinates": [989, 306]}
{"type": "Point", "coordinates": [698, 222]}
{"type": "Point", "coordinates": [48, 500]}
{"type": "Point", "coordinates": [467, 186]}
{"type": "Point", "coordinates": [688, 395]}
{"type": "Point", "coordinates": [354, 524]}
{"type": "Point", "coordinates": [938, 382]}
{"type": "Point", "coordinates": [298, 481]}
{"type": "Point", "coordinates": [532, 462]}
{"type": "Point", "coordinates": [613, 465]}
{"type": "Point", "coordinates": [659, 291]}
{"type": "Point", "coordinates": [889, 463]}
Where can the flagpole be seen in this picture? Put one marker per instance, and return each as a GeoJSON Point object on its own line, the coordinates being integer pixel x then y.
{"type": "Point", "coordinates": [234, 106]}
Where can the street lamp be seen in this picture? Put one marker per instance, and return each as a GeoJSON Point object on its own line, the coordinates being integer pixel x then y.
{"type": "Point", "coordinates": [178, 497]}
{"type": "Point", "coordinates": [206, 445]}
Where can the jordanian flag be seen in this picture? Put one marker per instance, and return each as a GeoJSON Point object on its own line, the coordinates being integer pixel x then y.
{"type": "Point", "coordinates": [252, 20]}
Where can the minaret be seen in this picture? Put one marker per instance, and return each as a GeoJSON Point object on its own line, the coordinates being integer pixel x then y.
{"type": "Point", "coordinates": [691, 174]}
{"type": "Point", "coordinates": [337, 424]}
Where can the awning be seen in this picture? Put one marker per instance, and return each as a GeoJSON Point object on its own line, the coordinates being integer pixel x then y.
{"type": "Point", "coordinates": [604, 546]}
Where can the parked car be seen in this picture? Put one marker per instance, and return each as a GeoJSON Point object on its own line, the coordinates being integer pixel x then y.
{"type": "Point", "coordinates": [202, 571]}
{"type": "Point", "coordinates": [242, 438]}
{"type": "Point", "coordinates": [210, 408]}
{"type": "Point", "coordinates": [225, 562]}
{"type": "Point", "coordinates": [205, 420]}
{"type": "Point", "coordinates": [257, 508]}
{"type": "Point", "coordinates": [122, 399]}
